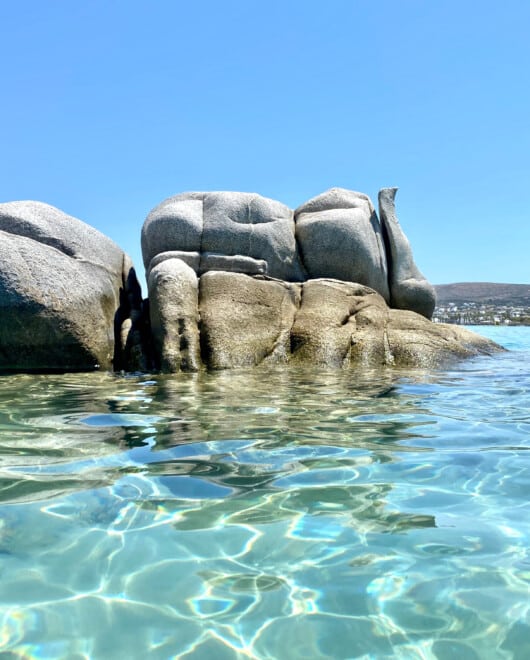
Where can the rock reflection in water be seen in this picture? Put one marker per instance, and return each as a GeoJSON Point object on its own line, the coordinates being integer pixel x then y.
{"type": "Point", "coordinates": [331, 514]}
{"type": "Point", "coordinates": [70, 432]}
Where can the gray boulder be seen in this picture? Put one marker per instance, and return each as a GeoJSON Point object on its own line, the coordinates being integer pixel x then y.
{"type": "Point", "coordinates": [328, 331]}
{"type": "Point", "coordinates": [225, 223]}
{"type": "Point", "coordinates": [339, 237]}
{"type": "Point", "coordinates": [336, 234]}
{"type": "Point", "coordinates": [342, 324]}
{"type": "Point", "coordinates": [69, 297]}
{"type": "Point", "coordinates": [205, 261]}
{"type": "Point", "coordinates": [408, 287]}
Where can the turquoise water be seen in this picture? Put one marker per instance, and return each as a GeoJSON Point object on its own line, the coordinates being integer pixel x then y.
{"type": "Point", "coordinates": [268, 514]}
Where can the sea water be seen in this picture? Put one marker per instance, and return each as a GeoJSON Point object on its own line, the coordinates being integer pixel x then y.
{"type": "Point", "coordinates": [268, 513]}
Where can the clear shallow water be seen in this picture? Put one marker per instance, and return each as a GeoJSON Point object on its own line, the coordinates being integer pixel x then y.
{"type": "Point", "coordinates": [268, 514]}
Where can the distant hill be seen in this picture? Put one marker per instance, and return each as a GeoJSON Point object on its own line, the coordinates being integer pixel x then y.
{"type": "Point", "coordinates": [484, 292]}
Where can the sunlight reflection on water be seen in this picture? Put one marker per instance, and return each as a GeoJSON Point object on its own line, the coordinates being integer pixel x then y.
{"type": "Point", "coordinates": [278, 514]}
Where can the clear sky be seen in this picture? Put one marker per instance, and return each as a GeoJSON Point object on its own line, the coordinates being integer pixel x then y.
{"type": "Point", "coordinates": [110, 106]}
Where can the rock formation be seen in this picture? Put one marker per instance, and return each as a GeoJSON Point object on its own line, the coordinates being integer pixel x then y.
{"type": "Point", "coordinates": [408, 288]}
{"type": "Point", "coordinates": [246, 227]}
{"type": "Point", "coordinates": [238, 280]}
{"type": "Point", "coordinates": [339, 236]}
{"type": "Point", "coordinates": [69, 297]}
{"type": "Point", "coordinates": [234, 280]}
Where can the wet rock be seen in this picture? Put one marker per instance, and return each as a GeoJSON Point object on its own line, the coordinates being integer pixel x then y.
{"type": "Point", "coordinates": [343, 324]}
{"type": "Point", "coordinates": [323, 328]}
{"type": "Point", "coordinates": [247, 321]}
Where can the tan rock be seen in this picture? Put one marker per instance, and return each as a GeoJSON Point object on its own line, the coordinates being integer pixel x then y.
{"type": "Point", "coordinates": [174, 310]}
{"type": "Point", "coordinates": [245, 320]}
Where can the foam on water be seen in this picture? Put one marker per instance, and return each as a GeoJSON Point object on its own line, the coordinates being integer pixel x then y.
{"type": "Point", "coordinates": [268, 514]}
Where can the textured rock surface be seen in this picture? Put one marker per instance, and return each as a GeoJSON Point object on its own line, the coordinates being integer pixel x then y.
{"type": "Point", "coordinates": [341, 324]}
{"type": "Point", "coordinates": [235, 280]}
{"type": "Point", "coordinates": [247, 321]}
{"type": "Point", "coordinates": [408, 287]}
{"type": "Point", "coordinates": [173, 303]}
{"type": "Point", "coordinates": [69, 298]}
{"type": "Point", "coordinates": [335, 235]}
{"type": "Point", "coordinates": [225, 223]}
{"type": "Point", "coordinates": [417, 342]}
{"type": "Point", "coordinates": [203, 262]}
{"type": "Point", "coordinates": [330, 284]}
{"type": "Point", "coordinates": [329, 328]}
{"type": "Point", "coordinates": [339, 236]}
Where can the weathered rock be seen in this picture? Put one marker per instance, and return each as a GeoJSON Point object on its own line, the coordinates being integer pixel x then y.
{"type": "Point", "coordinates": [339, 237]}
{"type": "Point", "coordinates": [227, 289]}
{"type": "Point", "coordinates": [225, 223]}
{"type": "Point", "coordinates": [174, 311]}
{"type": "Point", "coordinates": [334, 235]}
{"type": "Point", "coordinates": [245, 321]}
{"type": "Point", "coordinates": [191, 259]}
{"type": "Point", "coordinates": [175, 224]}
{"type": "Point", "coordinates": [314, 290]}
{"type": "Point", "coordinates": [340, 324]}
{"type": "Point", "coordinates": [417, 342]}
{"type": "Point", "coordinates": [131, 325]}
{"type": "Point", "coordinates": [202, 263]}
{"type": "Point", "coordinates": [408, 287]}
{"type": "Point", "coordinates": [69, 298]}
{"type": "Point", "coordinates": [323, 328]}
{"type": "Point", "coordinates": [236, 264]}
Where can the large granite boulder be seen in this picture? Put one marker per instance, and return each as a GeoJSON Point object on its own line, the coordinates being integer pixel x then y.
{"type": "Point", "coordinates": [174, 310]}
{"type": "Point", "coordinates": [69, 297]}
{"type": "Point", "coordinates": [340, 323]}
{"type": "Point", "coordinates": [227, 224]}
{"type": "Point", "coordinates": [339, 236]}
{"type": "Point", "coordinates": [238, 280]}
{"type": "Point", "coordinates": [246, 321]}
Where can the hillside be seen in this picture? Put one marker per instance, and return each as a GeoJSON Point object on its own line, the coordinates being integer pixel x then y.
{"type": "Point", "coordinates": [483, 293]}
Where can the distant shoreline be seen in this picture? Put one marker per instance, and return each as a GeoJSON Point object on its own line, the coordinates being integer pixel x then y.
{"type": "Point", "coordinates": [483, 303]}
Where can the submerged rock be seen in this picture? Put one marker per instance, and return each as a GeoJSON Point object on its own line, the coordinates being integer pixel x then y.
{"type": "Point", "coordinates": [69, 297]}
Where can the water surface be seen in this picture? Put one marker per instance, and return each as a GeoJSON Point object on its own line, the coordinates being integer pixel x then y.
{"type": "Point", "coordinates": [268, 514]}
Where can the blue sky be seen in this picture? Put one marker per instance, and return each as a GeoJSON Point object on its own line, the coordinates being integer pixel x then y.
{"type": "Point", "coordinates": [110, 106]}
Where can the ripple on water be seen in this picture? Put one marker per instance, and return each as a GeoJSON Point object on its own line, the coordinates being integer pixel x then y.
{"type": "Point", "coordinates": [266, 514]}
